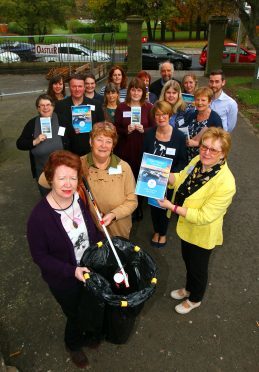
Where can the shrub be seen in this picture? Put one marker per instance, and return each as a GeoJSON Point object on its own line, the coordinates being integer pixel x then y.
{"type": "Point", "coordinates": [14, 28]}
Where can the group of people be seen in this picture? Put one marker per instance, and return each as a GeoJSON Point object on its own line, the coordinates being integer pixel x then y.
{"type": "Point", "coordinates": [180, 121]}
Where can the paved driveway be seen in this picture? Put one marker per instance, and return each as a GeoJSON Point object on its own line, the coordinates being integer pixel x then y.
{"type": "Point", "coordinates": [220, 336]}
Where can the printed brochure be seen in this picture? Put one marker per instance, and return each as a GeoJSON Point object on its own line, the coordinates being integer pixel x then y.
{"type": "Point", "coordinates": [189, 98]}
{"type": "Point", "coordinates": [45, 124]}
{"type": "Point", "coordinates": [135, 115]}
{"type": "Point", "coordinates": [153, 176]}
{"type": "Point", "coordinates": [82, 118]}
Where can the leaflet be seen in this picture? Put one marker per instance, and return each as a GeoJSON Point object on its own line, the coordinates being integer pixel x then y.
{"type": "Point", "coordinates": [153, 176]}
{"type": "Point", "coordinates": [135, 115]}
{"type": "Point", "coordinates": [82, 118]}
{"type": "Point", "coordinates": [189, 98]}
{"type": "Point", "coordinates": [154, 203]}
{"type": "Point", "coordinates": [45, 124]}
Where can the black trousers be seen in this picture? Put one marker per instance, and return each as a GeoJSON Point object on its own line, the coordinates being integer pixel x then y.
{"type": "Point", "coordinates": [69, 301]}
{"type": "Point", "coordinates": [158, 216]}
{"type": "Point", "coordinates": [196, 260]}
{"type": "Point", "coordinates": [159, 220]}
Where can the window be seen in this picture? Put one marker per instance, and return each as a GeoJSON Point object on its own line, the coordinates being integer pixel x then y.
{"type": "Point", "coordinates": [157, 49]}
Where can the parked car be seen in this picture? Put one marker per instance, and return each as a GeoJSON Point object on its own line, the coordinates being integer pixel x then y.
{"type": "Point", "coordinates": [229, 54]}
{"type": "Point", "coordinates": [25, 51]}
{"type": "Point", "coordinates": [153, 54]}
{"type": "Point", "coordinates": [8, 57]}
{"type": "Point", "coordinates": [70, 52]}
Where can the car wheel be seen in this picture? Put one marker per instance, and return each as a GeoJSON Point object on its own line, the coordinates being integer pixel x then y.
{"type": "Point", "coordinates": [178, 65]}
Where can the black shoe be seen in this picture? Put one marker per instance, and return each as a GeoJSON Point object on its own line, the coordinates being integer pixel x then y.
{"type": "Point", "coordinates": [78, 357]}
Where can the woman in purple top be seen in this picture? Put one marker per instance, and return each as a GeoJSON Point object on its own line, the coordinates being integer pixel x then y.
{"type": "Point", "coordinates": [59, 230]}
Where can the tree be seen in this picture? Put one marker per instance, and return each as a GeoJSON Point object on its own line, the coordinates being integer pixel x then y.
{"type": "Point", "coordinates": [36, 17]}
{"type": "Point", "coordinates": [250, 20]}
{"type": "Point", "coordinates": [114, 11]}
{"type": "Point", "coordinates": [197, 12]}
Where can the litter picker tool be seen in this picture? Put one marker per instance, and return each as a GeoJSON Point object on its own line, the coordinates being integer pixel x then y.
{"type": "Point", "coordinates": [87, 187]}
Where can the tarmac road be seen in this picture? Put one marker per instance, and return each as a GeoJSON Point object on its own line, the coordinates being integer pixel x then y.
{"type": "Point", "coordinates": [220, 336]}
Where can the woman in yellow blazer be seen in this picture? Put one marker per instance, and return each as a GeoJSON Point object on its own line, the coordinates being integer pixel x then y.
{"type": "Point", "coordinates": [202, 193]}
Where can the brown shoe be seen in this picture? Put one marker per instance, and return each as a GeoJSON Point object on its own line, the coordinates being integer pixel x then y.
{"type": "Point", "coordinates": [79, 358]}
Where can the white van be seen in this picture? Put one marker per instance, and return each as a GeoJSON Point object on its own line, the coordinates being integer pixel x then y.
{"type": "Point", "coordinates": [69, 52]}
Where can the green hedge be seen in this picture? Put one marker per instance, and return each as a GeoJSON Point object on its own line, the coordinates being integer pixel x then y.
{"type": "Point", "coordinates": [77, 27]}
{"type": "Point", "coordinates": [14, 28]}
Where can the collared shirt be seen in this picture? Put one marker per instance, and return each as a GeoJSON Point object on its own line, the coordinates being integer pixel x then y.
{"type": "Point", "coordinates": [114, 162]}
{"type": "Point", "coordinates": [227, 109]}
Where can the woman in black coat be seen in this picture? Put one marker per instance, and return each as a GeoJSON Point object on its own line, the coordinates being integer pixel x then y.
{"type": "Point", "coordinates": [41, 136]}
{"type": "Point", "coordinates": [164, 140]}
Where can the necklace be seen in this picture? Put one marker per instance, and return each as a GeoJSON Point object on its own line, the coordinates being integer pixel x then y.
{"type": "Point", "coordinates": [75, 224]}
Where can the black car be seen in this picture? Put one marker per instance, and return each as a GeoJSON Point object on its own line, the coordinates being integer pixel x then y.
{"type": "Point", "coordinates": [153, 54]}
{"type": "Point", "coordinates": [25, 51]}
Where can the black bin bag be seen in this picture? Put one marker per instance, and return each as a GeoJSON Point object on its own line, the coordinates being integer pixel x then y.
{"type": "Point", "coordinates": [106, 307]}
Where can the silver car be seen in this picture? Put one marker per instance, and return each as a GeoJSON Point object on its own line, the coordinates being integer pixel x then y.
{"type": "Point", "coordinates": [8, 57]}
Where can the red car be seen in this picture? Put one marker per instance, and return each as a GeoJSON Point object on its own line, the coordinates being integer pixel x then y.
{"type": "Point", "coordinates": [229, 54]}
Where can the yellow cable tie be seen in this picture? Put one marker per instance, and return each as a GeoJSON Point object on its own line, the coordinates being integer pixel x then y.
{"type": "Point", "coordinates": [154, 280]}
{"type": "Point", "coordinates": [137, 248]}
{"type": "Point", "coordinates": [124, 303]}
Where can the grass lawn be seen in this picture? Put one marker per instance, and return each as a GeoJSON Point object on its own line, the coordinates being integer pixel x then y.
{"type": "Point", "coordinates": [247, 97]}
{"type": "Point", "coordinates": [243, 90]}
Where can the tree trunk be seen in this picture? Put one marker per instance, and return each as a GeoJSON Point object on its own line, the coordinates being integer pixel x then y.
{"type": "Point", "coordinates": [149, 31]}
{"type": "Point", "coordinates": [163, 28]}
{"type": "Point", "coordinates": [198, 28]}
{"type": "Point", "coordinates": [190, 28]}
{"type": "Point", "coordinates": [173, 35]}
{"type": "Point", "coordinates": [154, 30]}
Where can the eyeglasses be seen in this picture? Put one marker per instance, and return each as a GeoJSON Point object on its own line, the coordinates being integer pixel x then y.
{"type": "Point", "coordinates": [47, 105]}
{"type": "Point", "coordinates": [161, 115]}
{"type": "Point", "coordinates": [210, 149]}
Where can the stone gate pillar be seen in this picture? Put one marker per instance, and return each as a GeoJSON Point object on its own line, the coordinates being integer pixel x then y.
{"type": "Point", "coordinates": [134, 44]}
{"type": "Point", "coordinates": [217, 27]}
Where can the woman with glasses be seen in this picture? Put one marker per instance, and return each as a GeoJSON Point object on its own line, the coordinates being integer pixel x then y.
{"type": "Point", "coordinates": [202, 193]}
{"type": "Point", "coordinates": [164, 140]}
{"type": "Point", "coordinates": [200, 120]}
{"type": "Point", "coordinates": [132, 120]}
{"type": "Point", "coordinates": [41, 136]}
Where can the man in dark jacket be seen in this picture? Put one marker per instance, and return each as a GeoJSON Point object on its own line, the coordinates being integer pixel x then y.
{"type": "Point", "coordinates": [79, 141]}
{"type": "Point", "coordinates": [166, 71]}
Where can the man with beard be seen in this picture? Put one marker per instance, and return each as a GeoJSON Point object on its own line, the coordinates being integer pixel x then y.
{"type": "Point", "coordinates": [79, 142]}
{"type": "Point", "coordinates": [223, 104]}
{"type": "Point", "coordinates": [166, 71]}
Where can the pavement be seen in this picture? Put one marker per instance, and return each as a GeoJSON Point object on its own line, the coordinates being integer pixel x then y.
{"type": "Point", "coordinates": [220, 336]}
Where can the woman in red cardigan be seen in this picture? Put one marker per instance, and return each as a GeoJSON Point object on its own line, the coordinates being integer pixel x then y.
{"type": "Point", "coordinates": [132, 120]}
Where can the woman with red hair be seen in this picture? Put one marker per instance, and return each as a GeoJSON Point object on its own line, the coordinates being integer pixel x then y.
{"type": "Point", "coordinates": [118, 77]}
{"type": "Point", "coordinates": [59, 230]}
{"type": "Point", "coordinates": [146, 78]}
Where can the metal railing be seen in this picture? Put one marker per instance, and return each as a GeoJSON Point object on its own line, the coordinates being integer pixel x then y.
{"type": "Point", "coordinates": [62, 49]}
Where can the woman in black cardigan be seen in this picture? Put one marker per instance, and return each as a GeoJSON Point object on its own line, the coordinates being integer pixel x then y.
{"type": "Point", "coordinates": [41, 139]}
{"type": "Point", "coordinates": [164, 140]}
